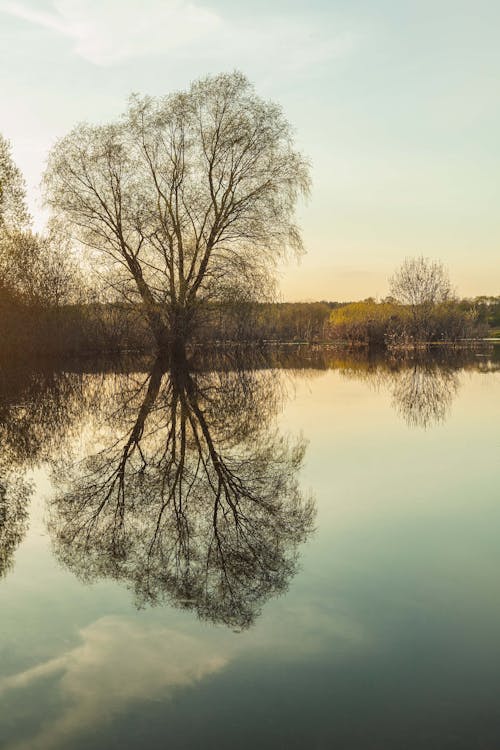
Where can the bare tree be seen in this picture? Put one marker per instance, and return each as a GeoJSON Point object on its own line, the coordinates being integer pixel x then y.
{"type": "Point", "coordinates": [421, 284]}
{"type": "Point", "coordinates": [184, 197]}
{"type": "Point", "coordinates": [13, 211]}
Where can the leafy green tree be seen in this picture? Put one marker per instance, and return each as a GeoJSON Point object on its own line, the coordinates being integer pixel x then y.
{"type": "Point", "coordinates": [367, 322]}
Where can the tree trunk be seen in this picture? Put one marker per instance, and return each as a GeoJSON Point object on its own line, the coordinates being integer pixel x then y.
{"type": "Point", "coordinates": [153, 314]}
{"type": "Point", "coordinates": [181, 321]}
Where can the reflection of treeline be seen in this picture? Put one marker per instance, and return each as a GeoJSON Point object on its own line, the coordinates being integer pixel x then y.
{"type": "Point", "coordinates": [422, 383]}
{"type": "Point", "coordinates": [358, 360]}
{"type": "Point", "coordinates": [365, 362]}
{"type": "Point", "coordinates": [22, 379]}
{"type": "Point", "coordinates": [151, 424]}
{"type": "Point", "coordinates": [39, 410]}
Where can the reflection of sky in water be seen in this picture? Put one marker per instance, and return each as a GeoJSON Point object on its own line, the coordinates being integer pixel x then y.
{"type": "Point", "coordinates": [387, 637]}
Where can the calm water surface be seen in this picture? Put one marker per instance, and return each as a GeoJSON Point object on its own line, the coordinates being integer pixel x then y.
{"type": "Point", "coordinates": [304, 553]}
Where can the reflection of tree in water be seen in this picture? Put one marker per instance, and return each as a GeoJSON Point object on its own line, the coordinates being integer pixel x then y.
{"type": "Point", "coordinates": [14, 498]}
{"type": "Point", "coordinates": [423, 393]}
{"type": "Point", "coordinates": [198, 504]}
{"type": "Point", "coordinates": [38, 409]}
{"type": "Point", "coordinates": [21, 441]}
{"type": "Point", "coordinates": [423, 384]}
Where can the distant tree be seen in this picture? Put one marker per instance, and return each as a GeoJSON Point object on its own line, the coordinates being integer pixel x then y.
{"type": "Point", "coordinates": [39, 270]}
{"type": "Point", "coordinates": [35, 270]}
{"type": "Point", "coordinates": [421, 284]}
{"type": "Point", "coordinates": [367, 322]}
{"type": "Point", "coordinates": [185, 197]}
{"type": "Point", "coordinates": [13, 211]}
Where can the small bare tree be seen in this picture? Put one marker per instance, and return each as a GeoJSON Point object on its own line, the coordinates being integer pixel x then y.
{"type": "Point", "coordinates": [420, 284]}
{"type": "Point", "coordinates": [184, 197]}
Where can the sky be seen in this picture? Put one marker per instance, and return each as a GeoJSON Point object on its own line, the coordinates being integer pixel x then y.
{"type": "Point", "coordinates": [395, 102]}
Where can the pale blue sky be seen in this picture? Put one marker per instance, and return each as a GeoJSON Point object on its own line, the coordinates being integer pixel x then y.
{"type": "Point", "coordinates": [397, 104]}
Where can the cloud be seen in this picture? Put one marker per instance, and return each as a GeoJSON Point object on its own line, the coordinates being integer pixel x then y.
{"type": "Point", "coordinates": [122, 661]}
{"type": "Point", "coordinates": [109, 32]}
{"type": "Point", "coordinates": [119, 662]}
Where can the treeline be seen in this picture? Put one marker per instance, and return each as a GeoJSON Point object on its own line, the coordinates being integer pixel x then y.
{"type": "Point", "coordinates": [386, 323]}
{"type": "Point", "coordinates": [34, 328]}
{"type": "Point", "coordinates": [93, 327]}
{"type": "Point", "coordinates": [70, 329]}
{"type": "Point", "coordinates": [48, 305]}
{"type": "Point", "coordinates": [389, 323]}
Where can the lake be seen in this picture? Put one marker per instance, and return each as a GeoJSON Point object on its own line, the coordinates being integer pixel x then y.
{"type": "Point", "coordinates": [294, 549]}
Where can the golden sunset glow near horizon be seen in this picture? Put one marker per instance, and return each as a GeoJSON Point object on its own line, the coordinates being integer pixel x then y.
{"type": "Point", "coordinates": [395, 103]}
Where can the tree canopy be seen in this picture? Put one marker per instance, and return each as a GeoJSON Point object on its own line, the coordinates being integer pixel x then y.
{"type": "Point", "coordinates": [421, 282]}
{"type": "Point", "coordinates": [188, 198]}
